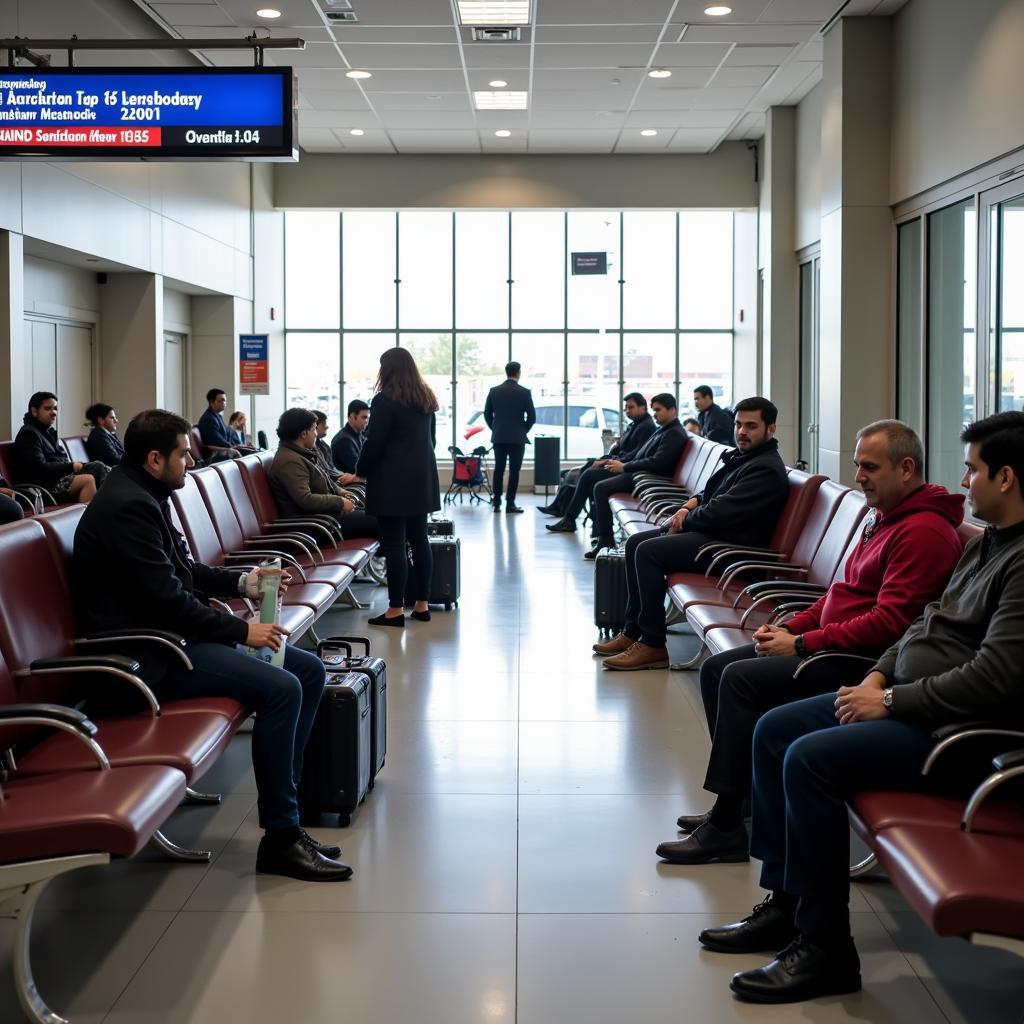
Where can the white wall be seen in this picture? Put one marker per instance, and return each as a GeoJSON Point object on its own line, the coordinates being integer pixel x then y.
{"type": "Point", "coordinates": [956, 89]}
{"type": "Point", "coordinates": [55, 289]}
{"type": "Point", "coordinates": [808, 169]}
{"type": "Point", "coordinates": [177, 311]}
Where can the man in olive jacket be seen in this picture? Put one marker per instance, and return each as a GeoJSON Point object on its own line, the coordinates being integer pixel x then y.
{"type": "Point", "coordinates": [300, 484]}
{"type": "Point", "coordinates": [958, 663]}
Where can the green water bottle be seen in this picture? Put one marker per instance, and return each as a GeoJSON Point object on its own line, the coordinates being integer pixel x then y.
{"type": "Point", "coordinates": [269, 587]}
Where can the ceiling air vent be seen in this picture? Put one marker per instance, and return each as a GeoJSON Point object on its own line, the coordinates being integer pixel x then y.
{"type": "Point", "coordinates": [495, 34]}
{"type": "Point", "coordinates": [339, 16]}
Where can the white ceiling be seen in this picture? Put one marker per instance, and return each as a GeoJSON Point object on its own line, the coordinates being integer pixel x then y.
{"type": "Point", "coordinates": [584, 64]}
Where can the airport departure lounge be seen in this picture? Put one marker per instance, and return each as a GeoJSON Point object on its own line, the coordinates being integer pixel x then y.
{"type": "Point", "coordinates": [511, 510]}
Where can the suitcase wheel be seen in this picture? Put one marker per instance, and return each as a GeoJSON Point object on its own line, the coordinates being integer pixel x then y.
{"type": "Point", "coordinates": [345, 819]}
{"type": "Point", "coordinates": [447, 606]}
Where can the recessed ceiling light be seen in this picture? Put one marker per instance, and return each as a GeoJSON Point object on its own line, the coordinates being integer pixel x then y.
{"type": "Point", "coordinates": [659, 73]}
{"type": "Point", "coordinates": [358, 74]}
{"type": "Point", "coordinates": [356, 131]}
{"type": "Point", "coordinates": [499, 100]}
{"type": "Point", "coordinates": [494, 12]}
{"type": "Point", "coordinates": [268, 12]}
{"type": "Point", "coordinates": [649, 132]}
{"type": "Point", "coordinates": [503, 133]}
{"type": "Point", "coordinates": [717, 10]}
{"type": "Point", "coordinates": [497, 84]}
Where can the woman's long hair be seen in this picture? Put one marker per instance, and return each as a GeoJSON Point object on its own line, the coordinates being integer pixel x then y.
{"type": "Point", "coordinates": [399, 379]}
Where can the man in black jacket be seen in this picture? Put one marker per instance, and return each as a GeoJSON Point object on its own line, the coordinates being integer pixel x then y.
{"type": "Point", "coordinates": [958, 663]}
{"type": "Point", "coordinates": [659, 455]}
{"type": "Point", "coordinates": [715, 423]}
{"type": "Point", "coordinates": [39, 458]}
{"type": "Point", "coordinates": [347, 443]}
{"type": "Point", "coordinates": [509, 414]}
{"type": "Point", "coordinates": [127, 536]}
{"type": "Point", "coordinates": [741, 503]}
{"type": "Point", "coordinates": [579, 484]}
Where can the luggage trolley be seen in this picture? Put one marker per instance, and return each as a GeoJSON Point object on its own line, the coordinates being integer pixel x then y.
{"type": "Point", "coordinates": [469, 475]}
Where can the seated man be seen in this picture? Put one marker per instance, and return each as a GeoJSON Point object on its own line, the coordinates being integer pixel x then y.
{"type": "Point", "coordinates": [659, 455]}
{"type": "Point", "coordinates": [347, 443]}
{"type": "Point", "coordinates": [103, 444]}
{"type": "Point", "coordinates": [741, 503]}
{"type": "Point", "coordinates": [300, 485]}
{"type": "Point", "coordinates": [902, 561]}
{"type": "Point", "coordinates": [214, 431]}
{"type": "Point", "coordinates": [958, 663]}
{"type": "Point", "coordinates": [127, 535]}
{"type": "Point", "coordinates": [714, 422]}
{"type": "Point", "coordinates": [579, 483]}
{"type": "Point", "coordinates": [38, 456]}
{"type": "Point", "coordinates": [10, 510]}
{"type": "Point", "coordinates": [322, 449]}
{"type": "Point", "coordinates": [692, 425]}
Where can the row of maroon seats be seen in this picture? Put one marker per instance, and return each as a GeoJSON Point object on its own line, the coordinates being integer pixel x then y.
{"type": "Point", "coordinates": [94, 763]}
{"type": "Point", "coordinates": [75, 448]}
{"type": "Point", "coordinates": [956, 863]}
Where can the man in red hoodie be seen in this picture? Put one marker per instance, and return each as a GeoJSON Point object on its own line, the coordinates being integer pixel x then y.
{"type": "Point", "coordinates": [904, 558]}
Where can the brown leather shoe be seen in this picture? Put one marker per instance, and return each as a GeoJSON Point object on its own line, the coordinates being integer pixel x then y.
{"type": "Point", "coordinates": [616, 645]}
{"type": "Point", "coordinates": [637, 657]}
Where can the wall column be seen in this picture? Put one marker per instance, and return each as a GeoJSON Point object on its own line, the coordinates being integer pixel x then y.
{"type": "Point", "coordinates": [13, 400]}
{"type": "Point", "coordinates": [856, 381]}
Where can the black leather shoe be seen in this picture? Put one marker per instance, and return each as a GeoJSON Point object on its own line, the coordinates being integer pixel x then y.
{"type": "Point", "coordinates": [767, 927]}
{"type": "Point", "coordinates": [301, 860]}
{"type": "Point", "coordinates": [689, 822]}
{"type": "Point", "coordinates": [394, 621]}
{"type": "Point", "coordinates": [599, 544]}
{"type": "Point", "coordinates": [512, 509]}
{"type": "Point", "coordinates": [326, 849]}
{"type": "Point", "coordinates": [548, 510]}
{"type": "Point", "coordinates": [708, 845]}
{"type": "Point", "coordinates": [562, 526]}
{"type": "Point", "coordinates": [497, 507]}
{"type": "Point", "coordinates": [421, 616]}
{"type": "Point", "coordinates": [801, 971]}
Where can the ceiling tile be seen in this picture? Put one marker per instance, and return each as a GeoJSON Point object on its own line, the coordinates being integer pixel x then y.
{"type": "Point", "coordinates": [420, 101]}
{"type": "Point", "coordinates": [492, 120]}
{"type": "Point", "coordinates": [751, 55]}
{"type": "Point", "coordinates": [722, 99]}
{"type": "Point", "coordinates": [436, 142]}
{"type": "Point", "coordinates": [814, 49]}
{"type": "Point", "coordinates": [346, 33]}
{"type": "Point", "coordinates": [407, 56]}
{"type": "Point", "coordinates": [780, 35]}
{"type": "Point", "coordinates": [428, 120]}
{"type": "Point", "coordinates": [572, 141]}
{"type": "Point", "coordinates": [692, 12]}
{"type": "Point", "coordinates": [497, 55]}
{"type": "Point", "coordinates": [234, 58]}
{"type": "Point", "coordinates": [690, 54]}
{"type": "Point", "coordinates": [598, 33]}
{"type": "Point", "coordinates": [583, 55]}
{"type": "Point", "coordinates": [737, 77]}
{"type": "Point", "coordinates": [595, 120]}
{"type": "Point", "coordinates": [373, 141]}
{"type": "Point", "coordinates": [194, 14]}
{"type": "Point", "coordinates": [518, 79]}
{"type": "Point", "coordinates": [695, 140]}
{"type": "Point", "coordinates": [801, 10]}
{"type": "Point", "coordinates": [333, 99]}
{"type": "Point", "coordinates": [319, 140]}
{"type": "Point", "coordinates": [514, 144]}
{"type": "Point", "coordinates": [785, 80]}
{"type": "Point", "coordinates": [603, 12]}
{"type": "Point", "coordinates": [415, 81]}
{"type": "Point", "coordinates": [545, 79]}
{"type": "Point", "coordinates": [749, 126]}
{"type": "Point", "coordinates": [676, 98]}
{"type": "Point", "coordinates": [315, 55]}
{"type": "Point", "coordinates": [682, 78]}
{"type": "Point", "coordinates": [293, 12]}
{"type": "Point", "coordinates": [558, 100]}
{"type": "Point", "coordinates": [798, 93]}
{"type": "Point", "coordinates": [682, 118]}
{"type": "Point", "coordinates": [332, 78]}
{"type": "Point", "coordinates": [634, 142]}
{"type": "Point", "coordinates": [309, 118]}
{"type": "Point", "coordinates": [404, 12]}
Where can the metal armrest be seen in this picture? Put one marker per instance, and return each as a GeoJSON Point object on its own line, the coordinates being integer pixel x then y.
{"type": "Point", "coordinates": [308, 542]}
{"type": "Point", "coordinates": [1007, 766]}
{"type": "Point", "coordinates": [110, 664]}
{"type": "Point", "coordinates": [778, 589]}
{"type": "Point", "coordinates": [286, 559]}
{"type": "Point", "coordinates": [733, 570]}
{"type": "Point", "coordinates": [56, 716]}
{"type": "Point", "coordinates": [790, 586]}
{"type": "Point", "coordinates": [278, 540]}
{"type": "Point", "coordinates": [971, 730]}
{"type": "Point", "coordinates": [730, 552]}
{"type": "Point", "coordinates": [22, 488]}
{"type": "Point", "coordinates": [331, 531]}
{"type": "Point", "coordinates": [758, 601]}
{"type": "Point", "coordinates": [822, 655]}
{"type": "Point", "coordinates": [161, 637]}
{"type": "Point", "coordinates": [784, 612]}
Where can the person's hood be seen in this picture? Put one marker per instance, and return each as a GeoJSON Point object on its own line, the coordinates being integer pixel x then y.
{"type": "Point", "coordinates": [929, 498]}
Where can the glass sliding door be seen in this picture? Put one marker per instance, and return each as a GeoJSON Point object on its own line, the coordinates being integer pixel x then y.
{"type": "Point", "coordinates": [810, 291]}
{"type": "Point", "coordinates": [1008, 277]}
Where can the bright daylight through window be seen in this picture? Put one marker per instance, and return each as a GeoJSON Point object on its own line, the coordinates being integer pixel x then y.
{"type": "Point", "coordinates": [466, 292]}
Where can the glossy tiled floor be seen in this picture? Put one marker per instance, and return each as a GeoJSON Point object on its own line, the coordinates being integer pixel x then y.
{"type": "Point", "coordinates": [504, 863]}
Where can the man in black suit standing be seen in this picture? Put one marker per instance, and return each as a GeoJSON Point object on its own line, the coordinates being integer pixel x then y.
{"type": "Point", "coordinates": [510, 414]}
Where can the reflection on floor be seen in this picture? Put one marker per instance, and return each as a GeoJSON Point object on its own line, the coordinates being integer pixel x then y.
{"type": "Point", "coordinates": [505, 866]}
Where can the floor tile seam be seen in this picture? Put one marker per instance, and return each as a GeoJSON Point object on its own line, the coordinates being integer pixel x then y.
{"type": "Point", "coordinates": [327, 912]}
{"type": "Point", "coordinates": [643, 913]}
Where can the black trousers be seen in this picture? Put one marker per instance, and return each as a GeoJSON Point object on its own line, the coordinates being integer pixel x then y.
{"type": "Point", "coordinates": [10, 510]}
{"type": "Point", "coordinates": [395, 532]}
{"type": "Point", "coordinates": [513, 454]}
{"type": "Point", "coordinates": [738, 688]}
{"type": "Point", "coordinates": [650, 557]}
{"type": "Point", "coordinates": [601, 492]}
{"type": "Point", "coordinates": [589, 479]}
{"type": "Point", "coordinates": [806, 765]}
{"type": "Point", "coordinates": [358, 524]}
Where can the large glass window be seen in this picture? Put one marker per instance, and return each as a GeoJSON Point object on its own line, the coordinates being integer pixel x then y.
{"type": "Point", "coordinates": [910, 349]}
{"type": "Point", "coordinates": [952, 353]}
{"type": "Point", "coordinates": [442, 279]}
{"type": "Point", "coordinates": [1010, 274]}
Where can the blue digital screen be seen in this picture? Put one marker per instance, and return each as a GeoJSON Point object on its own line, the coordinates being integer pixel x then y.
{"type": "Point", "coordinates": [104, 112]}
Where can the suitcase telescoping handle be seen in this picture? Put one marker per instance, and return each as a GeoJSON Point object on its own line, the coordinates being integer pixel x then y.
{"type": "Point", "coordinates": [333, 644]}
{"type": "Point", "coordinates": [339, 640]}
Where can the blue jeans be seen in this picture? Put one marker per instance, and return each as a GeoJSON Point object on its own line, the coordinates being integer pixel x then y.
{"type": "Point", "coordinates": [806, 765]}
{"type": "Point", "coordinates": [285, 701]}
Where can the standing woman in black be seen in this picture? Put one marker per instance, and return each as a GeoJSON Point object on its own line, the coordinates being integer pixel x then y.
{"type": "Point", "coordinates": [397, 462]}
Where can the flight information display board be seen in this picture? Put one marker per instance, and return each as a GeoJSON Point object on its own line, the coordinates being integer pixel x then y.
{"type": "Point", "coordinates": [147, 114]}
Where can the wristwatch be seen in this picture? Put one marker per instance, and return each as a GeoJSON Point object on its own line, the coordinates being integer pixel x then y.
{"type": "Point", "coordinates": [887, 699]}
{"type": "Point", "coordinates": [799, 646]}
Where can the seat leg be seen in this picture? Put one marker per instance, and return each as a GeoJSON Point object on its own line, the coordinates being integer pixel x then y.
{"type": "Point", "coordinates": [350, 599]}
{"type": "Point", "coordinates": [683, 666]}
{"type": "Point", "coordinates": [194, 797]}
{"type": "Point", "coordinates": [864, 867]}
{"type": "Point", "coordinates": [175, 852]}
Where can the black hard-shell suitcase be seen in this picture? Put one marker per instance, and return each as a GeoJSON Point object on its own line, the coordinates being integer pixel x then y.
{"type": "Point", "coordinates": [610, 591]}
{"type": "Point", "coordinates": [336, 767]}
{"type": "Point", "coordinates": [442, 526]}
{"type": "Point", "coordinates": [336, 653]}
{"type": "Point", "coordinates": [446, 578]}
